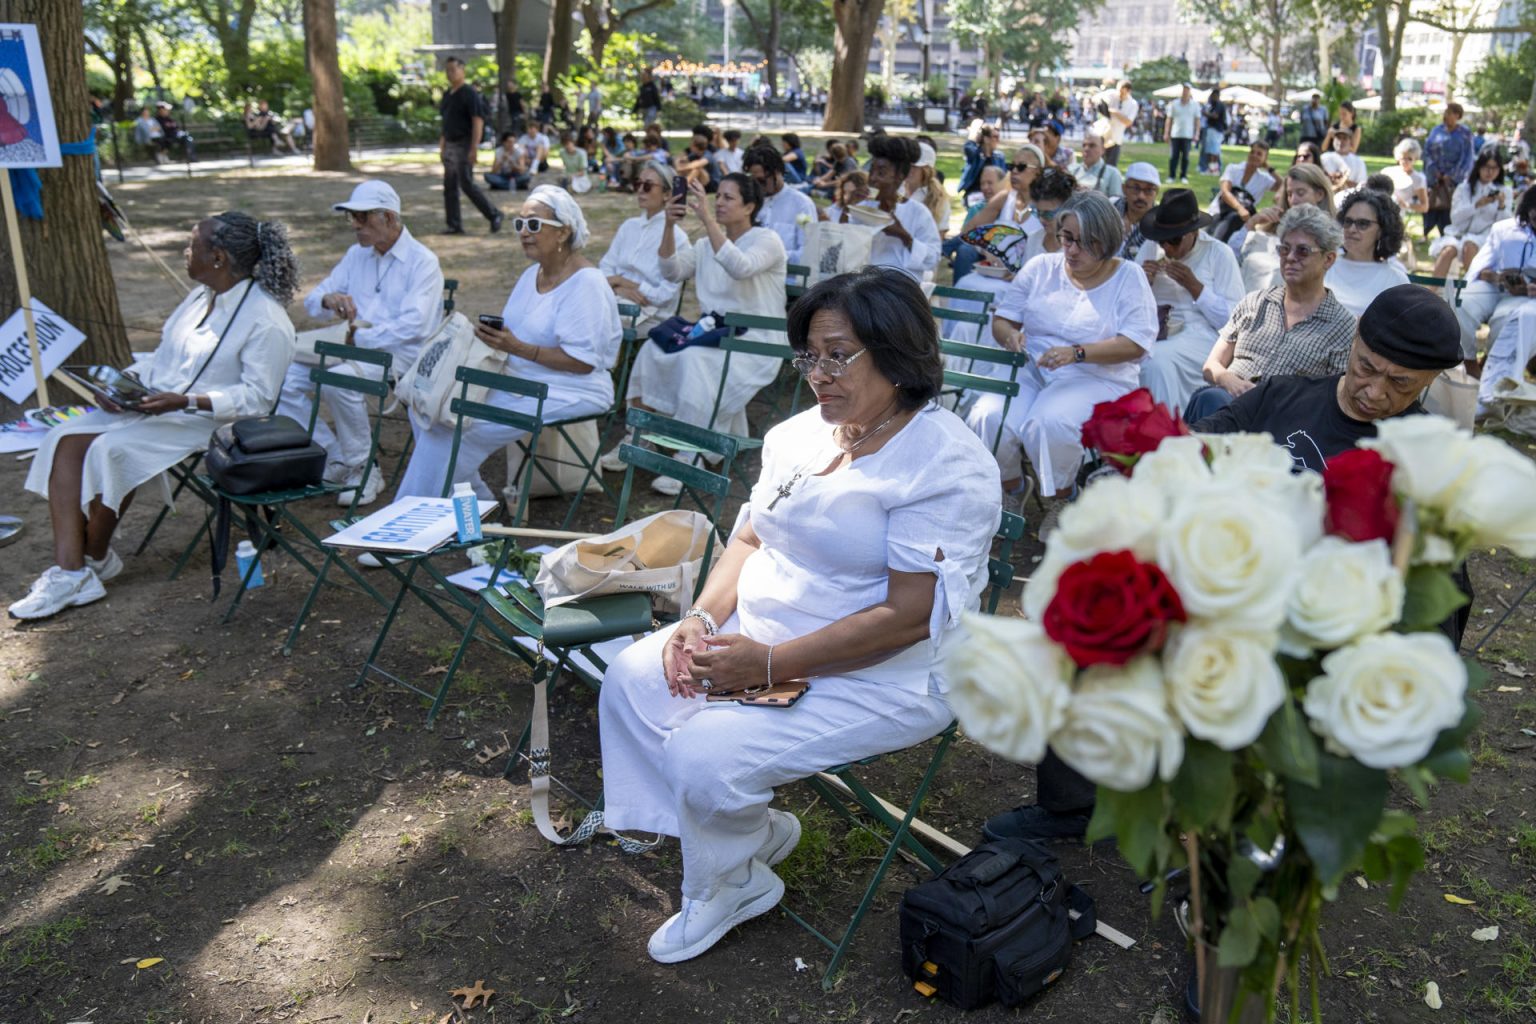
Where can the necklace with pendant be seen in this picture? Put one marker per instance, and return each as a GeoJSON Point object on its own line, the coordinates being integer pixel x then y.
{"type": "Point", "coordinates": [787, 486]}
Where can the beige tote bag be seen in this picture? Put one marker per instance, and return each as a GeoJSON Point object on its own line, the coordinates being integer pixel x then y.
{"type": "Point", "coordinates": [660, 555]}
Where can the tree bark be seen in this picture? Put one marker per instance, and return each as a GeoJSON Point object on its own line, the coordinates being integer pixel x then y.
{"type": "Point", "coordinates": [771, 54]}
{"type": "Point", "coordinates": [325, 72]}
{"type": "Point", "coordinates": [1389, 41]}
{"type": "Point", "coordinates": [557, 44]}
{"type": "Point", "coordinates": [149, 59]}
{"type": "Point", "coordinates": [506, 58]}
{"type": "Point", "coordinates": [1530, 115]}
{"type": "Point", "coordinates": [66, 258]}
{"type": "Point", "coordinates": [856, 21]}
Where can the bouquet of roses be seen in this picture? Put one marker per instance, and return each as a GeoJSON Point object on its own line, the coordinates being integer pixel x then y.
{"type": "Point", "coordinates": [1239, 656]}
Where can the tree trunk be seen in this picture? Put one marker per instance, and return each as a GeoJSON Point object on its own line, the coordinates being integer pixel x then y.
{"type": "Point", "coordinates": [149, 58]}
{"type": "Point", "coordinates": [557, 44]}
{"type": "Point", "coordinates": [771, 72]}
{"type": "Point", "coordinates": [856, 21]}
{"type": "Point", "coordinates": [122, 69]}
{"type": "Point", "coordinates": [325, 71]}
{"type": "Point", "coordinates": [506, 58]}
{"type": "Point", "coordinates": [1530, 115]}
{"type": "Point", "coordinates": [1325, 38]}
{"type": "Point", "coordinates": [1451, 81]}
{"type": "Point", "coordinates": [66, 257]}
{"type": "Point", "coordinates": [1389, 41]}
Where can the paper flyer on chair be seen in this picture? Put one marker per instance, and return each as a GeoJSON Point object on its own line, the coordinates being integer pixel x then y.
{"type": "Point", "coordinates": [410, 525]}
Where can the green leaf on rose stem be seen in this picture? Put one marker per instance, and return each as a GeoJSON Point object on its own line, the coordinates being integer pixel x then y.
{"type": "Point", "coordinates": [1431, 597]}
{"type": "Point", "coordinates": [1242, 875]}
{"type": "Point", "coordinates": [1136, 822]}
{"type": "Point", "coordinates": [1405, 857]}
{"type": "Point", "coordinates": [1335, 819]}
{"type": "Point", "coordinates": [1417, 780]}
{"type": "Point", "coordinates": [1448, 758]}
{"type": "Point", "coordinates": [1396, 823]}
{"type": "Point", "coordinates": [1477, 675]}
{"type": "Point", "coordinates": [1288, 745]}
{"type": "Point", "coordinates": [1239, 939]}
{"type": "Point", "coordinates": [1204, 787]}
{"type": "Point", "coordinates": [1266, 914]}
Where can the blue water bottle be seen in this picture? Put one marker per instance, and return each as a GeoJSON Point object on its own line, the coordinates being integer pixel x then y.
{"type": "Point", "coordinates": [245, 554]}
{"type": "Point", "coordinates": [466, 513]}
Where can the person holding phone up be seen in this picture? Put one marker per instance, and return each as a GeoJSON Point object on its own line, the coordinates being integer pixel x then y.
{"type": "Point", "coordinates": [222, 355]}
{"type": "Point", "coordinates": [560, 326]}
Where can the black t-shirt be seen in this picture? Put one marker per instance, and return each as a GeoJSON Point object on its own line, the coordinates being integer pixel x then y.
{"type": "Point", "coordinates": [1300, 413]}
{"type": "Point", "coordinates": [458, 108]}
{"type": "Point", "coordinates": [515, 104]}
{"type": "Point", "coordinates": [1216, 114]}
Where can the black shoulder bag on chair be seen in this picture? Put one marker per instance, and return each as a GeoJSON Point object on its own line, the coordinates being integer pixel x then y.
{"type": "Point", "coordinates": [253, 456]}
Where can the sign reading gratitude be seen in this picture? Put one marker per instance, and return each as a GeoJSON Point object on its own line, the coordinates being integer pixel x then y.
{"type": "Point", "coordinates": [57, 338]}
{"type": "Point", "coordinates": [407, 525]}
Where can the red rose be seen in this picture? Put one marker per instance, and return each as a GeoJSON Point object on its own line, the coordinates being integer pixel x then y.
{"type": "Point", "coordinates": [1111, 608]}
{"type": "Point", "coordinates": [1130, 427]}
{"type": "Point", "coordinates": [1361, 505]}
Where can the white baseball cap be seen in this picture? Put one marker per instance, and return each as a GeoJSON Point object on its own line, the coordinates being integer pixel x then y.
{"type": "Point", "coordinates": [926, 157]}
{"type": "Point", "coordinates": [371, 195]}
{"type": "Point", "coordinates": [1142, 171]}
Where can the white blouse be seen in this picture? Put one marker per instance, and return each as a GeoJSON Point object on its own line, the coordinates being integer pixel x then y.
{"type": "Point", "coordinates": [1215, 267]}
{"type": "Point", "coordinates": [885, 251]}
{"type": "Point", "coordinates": [1355, 282]}
{"type": "Point", "coordinates": [1054, 311]}
{"type": "Point", "coordinates": [1467, 218]}
{"type": "Point", "coordinates": [829, 546]}
{"type": "Point", "coordinates": [632, 254]}
{"type": "Point", "coordinates": [580, 316]}
{"type": "Point", "coordinates": [744, 276]}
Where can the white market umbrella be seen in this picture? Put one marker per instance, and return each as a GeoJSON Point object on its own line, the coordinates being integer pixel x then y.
{"type": "Point", "coordinates": [1173, 92]}
{"type": "Point", "coordinates": [1302, 95]}
{"type": "Point", "coordinates": [1246, 96]}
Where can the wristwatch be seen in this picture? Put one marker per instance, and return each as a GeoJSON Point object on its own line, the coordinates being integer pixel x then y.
{"type": "Point", "coordinates": [1079, 354]}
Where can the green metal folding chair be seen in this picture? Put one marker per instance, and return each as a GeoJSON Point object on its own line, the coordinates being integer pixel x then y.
{"type": "Point", "coordinates": [944, 291]}
{"type": "Point", "coordinates": [268, 516]}
{"type": "Point", "coordinates": [841, 788]}
{"type": "Point", "coordinates": [1431, 281]}
{"type": "Point", "coordinates": [797, 278]}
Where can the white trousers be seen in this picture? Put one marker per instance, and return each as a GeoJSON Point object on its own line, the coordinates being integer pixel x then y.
{"type": "Point", "coordinates": [1173, 371]}
{"type": "Point", "coordinates": [424, 474]}
{"type": "Point", "coordinates": [706, 772]}
{"type": "Point", "coordinates": [1045, 422]}
{"type": "Point", "coordinates": [1482, 303]}
{"type": "Point", "coordinates": [346, 446]}
{"type": "Point", "coordinates": [1510, 351]}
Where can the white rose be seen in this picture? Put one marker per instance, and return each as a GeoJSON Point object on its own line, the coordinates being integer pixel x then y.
{"type": "Point", "coordinates": [1345, 591]}
{"type": "Point", "coordinates": [1263, 468]}
{"type": "Point", "coordinates": [1008, 684]}
{"type": "Point", "coordinates": [1257, 450]}
{"type": "Point", "coordinates": [1436, 551]}
{"type": "Point", "coordinates": [1119, 732]}
{"type": "Point", "coordinates": [1041, 585]}
{"type": "Point", "coordinates": [1110, 515]}
{"type": "Point", "coordinates": [1177, 466]}
{"type": "Point", "coordinates": [1496, 504]}
{"type": "Point", "coordinates": [1222, 685]}
{"type": "Point", "coordinates": [1231, 556]}
{"type": "Point", "coordinates": [1383, 699]}
{"type": "Point", "coordinates": [1429, 455]}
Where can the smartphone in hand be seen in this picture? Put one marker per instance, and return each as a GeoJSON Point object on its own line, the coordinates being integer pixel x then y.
{"type": "Point", "coordinates": [495, 323]}
{"type": "Point", "coordinates": [679, 188]}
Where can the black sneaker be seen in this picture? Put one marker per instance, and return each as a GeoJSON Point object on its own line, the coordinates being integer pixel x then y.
{"type": "Point", "coordinates": [496, 223]}
{"type": "Point", "coordinates": [1035, 822]}
{"type": "Point", "coordinates": [453, 231]}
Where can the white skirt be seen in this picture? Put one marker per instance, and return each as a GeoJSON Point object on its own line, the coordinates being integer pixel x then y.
{"type": "Point", "coordinates": [683, 384]}
{"type": "Point", "coordinates": [1448, 239]}
{"type": "Point", "coordinates": [132, 450]}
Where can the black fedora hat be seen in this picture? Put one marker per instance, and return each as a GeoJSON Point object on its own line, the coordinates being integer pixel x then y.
{"type": "Point", "coordinates": [1176, 216]}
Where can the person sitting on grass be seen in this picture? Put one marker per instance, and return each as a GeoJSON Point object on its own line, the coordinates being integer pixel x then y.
{"type": "Point", "coordinates": [509, 167]}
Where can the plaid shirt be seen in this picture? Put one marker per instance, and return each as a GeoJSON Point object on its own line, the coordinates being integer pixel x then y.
{"type": "Point", "coordinates": [1265, 347]}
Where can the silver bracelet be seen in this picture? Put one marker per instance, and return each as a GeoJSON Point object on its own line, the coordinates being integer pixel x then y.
{"type": "Point", "coordinates": [770, 666]}
{"type": "Point", "coordinates": [710, 626]}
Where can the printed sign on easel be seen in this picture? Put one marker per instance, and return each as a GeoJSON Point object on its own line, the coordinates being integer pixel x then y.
{"type": "Point", "coordinates": [28, 136]}
{"type": "Point", "coordinates": [57, 340]}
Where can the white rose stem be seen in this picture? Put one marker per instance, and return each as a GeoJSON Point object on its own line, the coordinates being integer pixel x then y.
{"type": "Point", "coordinates": [1197, 925]}
{"type": "Point", "coordinates": [1402, 540]}
{"type": "Point", "coordinates": [959, 849]}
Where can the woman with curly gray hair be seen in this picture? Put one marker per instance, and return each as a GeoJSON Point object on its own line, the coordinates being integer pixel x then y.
{"type": "Point", "coordinates": [222, 355]}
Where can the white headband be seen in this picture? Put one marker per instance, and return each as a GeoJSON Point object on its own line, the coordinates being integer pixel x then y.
{"type": "Point", "coordinates": [565, 209]}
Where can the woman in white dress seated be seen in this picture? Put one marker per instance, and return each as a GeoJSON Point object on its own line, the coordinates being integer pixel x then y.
{"type": "Point", "coordinates": [1478, 202]}
{"type": "Point", "coordinates": [737, 267]}
{"type": "Point", "coordinates": [1087, 320]}
{"type": "Point", "coordinates": [849, 568]}
{"type": "Point", "coordinates": [630, 262]}
{"type": "Point", "coordinates": [1367, 265]}
{"type": "Point", "coordinates": [1305, 184]}
{"type": "Point", "coordinates": [911, 241]}
{"type": "Point", "coordinates": [1197, 278]}
{"type": "Point", "coordinates": [561, 328]}
{"type": "Point", "coordinates": [222, 356]}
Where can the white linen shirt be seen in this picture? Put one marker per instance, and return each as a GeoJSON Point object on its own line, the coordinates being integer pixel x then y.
{"type": "Point", "coordinates": [1052, 311]}
{"type": "Point", "coordinates": [1511, 245]}
{"type": "Point", "coordinates": [632, 254]}
{"type": "Point", "coordinates": [885, 251]}
{"type": "Point", "coordinates": [1183, 118]}
{"type": "Point", "coordinates": [1215, 266]}
{"type": "Point", "coordinates": [1129, 107]}
{"type": "Point", "coordinates": [828, 547]}
{"type": "Point", "coordinates": [400, 293]}
{"type": "Point", "coordinates": [1355, 282]}
{"type": "Point", "coordinates": [1467, 218]}
{"type": "Point", "coordinates": [781, 213]}
{"type": "Point", "coordinates": [1350, 165]}
{"type": "Point", "coordinates": [1103, 176]}
{"type": "Point", "coordinates": [744, 276]}
{"type": "Point", "coordinates": [581, 317]}
{"type": "Point", "coordinates": [1258, 186]}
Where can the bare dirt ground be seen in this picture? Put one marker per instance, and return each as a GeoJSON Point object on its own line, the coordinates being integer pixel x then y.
{"type": "Point", "coordinates": [195, 828]}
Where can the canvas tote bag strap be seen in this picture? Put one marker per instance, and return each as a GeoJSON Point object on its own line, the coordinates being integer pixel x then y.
{"type": "Point", "coordinates": [538, 780]}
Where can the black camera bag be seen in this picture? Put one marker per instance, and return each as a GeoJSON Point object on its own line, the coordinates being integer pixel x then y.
{"type": "Point", "coordinates": [994, 925]}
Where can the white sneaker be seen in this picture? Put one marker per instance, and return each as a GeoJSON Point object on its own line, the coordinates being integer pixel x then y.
{"type": "Point", "coordinates": [56, 590]}
{"type": "Point", "coordinates": [610, 462]}
{"type": "Point", "coordinates": [105, 568]}
{"type": "Point", "coordinates": [371, 490]}
{"type": "Point", "coordinates": [671, 486]}
{"type": "Point", "coordinates": [783, 837]}
{"type": "Point", "coordinates": [702, 923]}
{"type": "Point", "coordinates": [369, 560]}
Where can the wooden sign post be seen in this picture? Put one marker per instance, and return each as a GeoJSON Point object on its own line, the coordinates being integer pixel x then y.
{"type": "Point", "coordinates": [13, 228]}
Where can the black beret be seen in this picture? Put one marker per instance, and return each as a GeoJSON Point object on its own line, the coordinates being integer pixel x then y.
{"type": "Point", "coordinates": [1413, 327]}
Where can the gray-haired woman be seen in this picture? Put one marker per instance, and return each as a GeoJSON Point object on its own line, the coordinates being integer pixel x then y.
{"type": "Point", "coordinates": [222, 355]}
{"type": "Point", "coordinates": [630, 264]}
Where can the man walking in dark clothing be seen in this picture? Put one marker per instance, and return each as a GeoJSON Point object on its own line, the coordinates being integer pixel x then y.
{"type": "Point", "coordinates": [463, 116]}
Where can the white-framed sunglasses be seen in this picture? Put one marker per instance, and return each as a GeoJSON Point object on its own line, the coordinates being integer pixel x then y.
{"type": "Point", "coordinates": [532, 224]}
